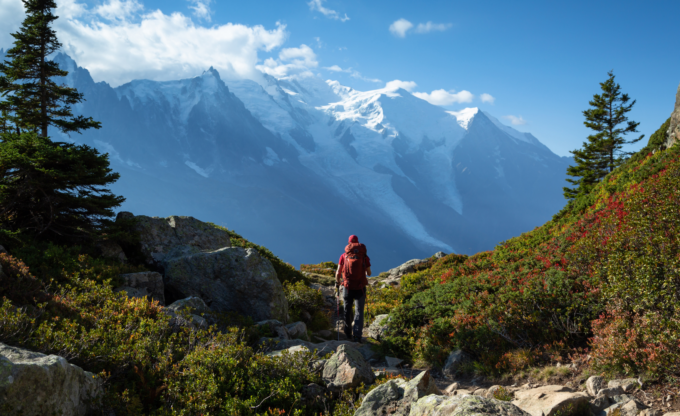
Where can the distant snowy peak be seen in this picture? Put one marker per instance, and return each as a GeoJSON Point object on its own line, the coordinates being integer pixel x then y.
{"type": "Point", "coordinates": [464, 116]}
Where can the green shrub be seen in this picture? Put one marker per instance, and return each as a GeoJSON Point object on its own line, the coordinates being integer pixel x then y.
{"type": "Point", "coordinates": [326, 268]}
{"type": "Point", "coordinates": [503, 394]}
{"type": "Point", "coordinates": [302, 298]}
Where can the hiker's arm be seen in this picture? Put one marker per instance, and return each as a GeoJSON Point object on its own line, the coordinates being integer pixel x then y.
{"type": "Point", "coordinates": [338, 275]}
{"type": "Point", "coordinates": [368, 271]}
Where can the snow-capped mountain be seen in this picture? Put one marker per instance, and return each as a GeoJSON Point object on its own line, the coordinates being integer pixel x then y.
{"type": "Point", "coordinates": [298, 164]}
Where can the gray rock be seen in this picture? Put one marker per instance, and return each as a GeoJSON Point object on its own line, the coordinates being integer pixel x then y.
{"type": "Point", "coordinates": [384, 399]}
{"type": "Point", "coordinates": [632, 408]}
{"type": "Point", "coordinates": [347, 368]}
{"type": "Point", "coordinates": [133, 292]}
{"type": "Point", "coordinates": [378, 328]}
{"type": "Point", "coordinates": [594, 384]}
{"type": "Point", "coordinates": [548, 400]}
{"type": "Point", "coordinates": [673, 133]}
{"type": "Point", "coordinates": [298, 330]}
{"type": "Point", "coordinates": [396, 397]}
{"type": "Point", "coordinates": [434, 405]}
{"type": "Point", "coordinates": [191, 304]}
{"type": "Point", "coordinates": [627, 384]}
{"type": "Point", "coordinates": [111, 250]}
{"type": "Point", "coordinates": [611, 392]}
{"type": "Point", "coordinates": [393, 362]}
{"type": "Point", "coordinates": [230, 279]}
{"type": "Point", "coordinates": [36, 384]}
{"type": "Point", "coordinates": [454, 386]}
{"type": "Point", "coordinates": [166, 237]}
{"type": "Point", "coordinates": [453, 363]}
{"type": "Point", "coordinates": [406, 268]}
{"type": "Point", "coordinates": [151, 281]}
{"type": "Point", "coordinates": [3, 250]}
{"type": "Point", "coordinates": [275, 327]}
{"type": "Point", "coordinates": [439, 254]}
{"type": "Point", "coordinates": [599, 403]}
{"type": "Point", "coordinates": [656, 412]}
{"type": "Point", "coordinates": [322, 348]}
{"type": "Point", "coordinates": [291, 350]}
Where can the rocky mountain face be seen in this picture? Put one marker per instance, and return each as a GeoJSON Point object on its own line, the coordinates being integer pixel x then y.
{"type": "Point", "coordinates": [299, 164]}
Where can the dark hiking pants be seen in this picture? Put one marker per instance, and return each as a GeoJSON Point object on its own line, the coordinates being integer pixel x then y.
{"type": "Point", "coordinates": [358, 297]}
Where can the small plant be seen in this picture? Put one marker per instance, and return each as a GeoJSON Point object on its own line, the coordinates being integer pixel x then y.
{"type": "Point", "coordinates": [503, 394]}
{"type": "Point", "coordinates": [580, 409]}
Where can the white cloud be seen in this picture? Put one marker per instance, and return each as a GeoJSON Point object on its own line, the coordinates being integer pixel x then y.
{"type": "Point", "coordinates": [515, 121]}
{"type": "Point", "coordinates": [487, 98]}
{"type": "Point", "coordinates": [400, 27]}
{"type": "Point", "coordinates": [291, 61]}
{"type": "Point", "coordinates": [317, 6]}
{"type": "Point", "coordinates": [443, 97]}
{"type": "Point", "coordinates": [432, 27]}
{"type": "Point", "coordinates": [352, 72]}
{"type": "Point", "coordinates": [11, 16]}
{"type": "Point", "coordinates": [118, 9]}
{"type": "Point", "coordinates": [119, 41]}
{"type": "Point", "coordinates": [201, 9]}
{"type": "Point", "coordinates": [396, 84]}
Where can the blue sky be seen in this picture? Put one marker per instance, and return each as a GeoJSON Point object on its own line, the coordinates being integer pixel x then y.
{"type": "Point", "coordinates": [541, 61]}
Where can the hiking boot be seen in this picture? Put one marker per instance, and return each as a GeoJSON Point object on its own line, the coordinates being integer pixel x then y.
{"type": "Point", "coordinates": [357, 339]}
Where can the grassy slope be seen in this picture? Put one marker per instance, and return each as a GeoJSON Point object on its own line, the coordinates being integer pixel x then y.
{"type": "Point", "coordinates": [545, 288]}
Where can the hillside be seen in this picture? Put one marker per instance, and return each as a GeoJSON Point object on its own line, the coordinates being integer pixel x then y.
{"type": "Point", "coordinates": [601, 276]}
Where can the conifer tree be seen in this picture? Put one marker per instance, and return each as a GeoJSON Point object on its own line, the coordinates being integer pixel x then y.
{"type": "Point", "coordinates": [32, 98]}
{"type": "Point", "coordinates": [603, 152]}
{"type": "Point", "coordinates": [51, 189]}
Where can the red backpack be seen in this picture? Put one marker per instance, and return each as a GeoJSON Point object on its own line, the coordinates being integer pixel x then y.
{"type": "Point", "coordinates": [354, 273]}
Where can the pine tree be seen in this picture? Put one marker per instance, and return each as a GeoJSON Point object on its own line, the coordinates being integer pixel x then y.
{"type": "Point", "coordinates": [603, 152]}
{"type": "Point", "coordinates": [33, 100]}
{"type": "Point", "coordinates": [50, 189]}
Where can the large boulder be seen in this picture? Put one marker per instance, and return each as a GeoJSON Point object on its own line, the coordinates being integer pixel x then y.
{"type": "Point", "coordinates": [435, 405]}
{"type": "Point", "coordinates": [548, 400]}
{"type": "Point", "coordinates": [378, 329]}
{"type": "Point", "coordinates": [230, 279]}
{"type": "Point", "coordinates": [34, 384]}
{"type": "Point", "coordinates": [150, 283]}
{"type": "Point", "coordinates": [161, 238]}
{"type": "Point", "coordinates": [347, 368]}
{"type": "Point", "coordinates": [396, 397]}
{"type": "Point", "coordinates": [673, 133]}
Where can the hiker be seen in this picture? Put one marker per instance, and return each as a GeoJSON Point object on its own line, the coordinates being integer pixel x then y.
{"type": "Point", "coordinates": [353, 267]}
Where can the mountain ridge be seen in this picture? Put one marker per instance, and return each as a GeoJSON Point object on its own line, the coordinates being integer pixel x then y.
{"type": "Point", "coordinates": [282, 170]}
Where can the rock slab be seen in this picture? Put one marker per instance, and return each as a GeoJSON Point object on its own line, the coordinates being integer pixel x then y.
{"type": "Point", "coordinates": [673, 133]}
{"type": "Point", "coordinates": [548, 400]}
{"type": "Point", "coordinates": [230, 280]}
{"type": "Point", "coordinates": [396, 397]}
{"type": "Point", "coordinates": [34, 384]}
{"type": "Point", "coordinates": [378, 329]}
{"type": "Point", "coordinates": [434, 405]}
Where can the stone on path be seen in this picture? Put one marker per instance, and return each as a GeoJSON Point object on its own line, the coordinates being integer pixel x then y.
{"type": "Point", "coordinates": [297, 330]}
{"type": "Point", "coordinates": [464, 406]}
{"type": "Point", "coordinates": [548, 400]}
{"type": "Point", "coordinates": [378, 328]}
{"type": "Point", "coordinates": [393, 362]}
{"type": "Point", "coordinates": [627, 385]}
{"type": "Point", "coordinates": [347, 368]}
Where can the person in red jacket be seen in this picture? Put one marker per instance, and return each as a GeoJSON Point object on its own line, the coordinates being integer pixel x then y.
{"type": "Point", "coordinates": [353, 267]}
